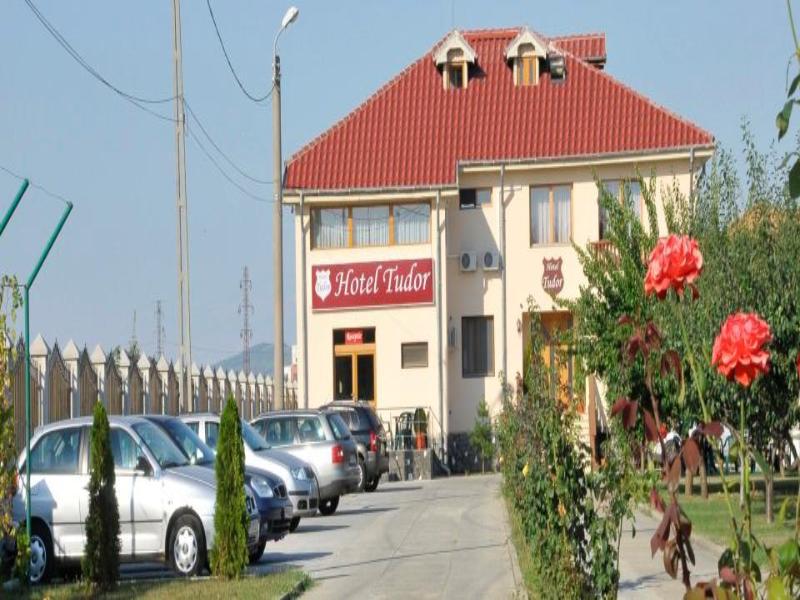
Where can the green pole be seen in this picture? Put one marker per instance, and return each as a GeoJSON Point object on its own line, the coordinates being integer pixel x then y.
{"type": "Point", "coordinates": [31, 279]}
{"type": "Point", "coordinates": [14, 204]}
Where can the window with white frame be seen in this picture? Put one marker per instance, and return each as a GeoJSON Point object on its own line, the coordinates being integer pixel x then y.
{"type": "Point", "coordinates": [412, 223]}
{"type": "Point", "coordinates": [414, 355]}
{"type": "Point", "coordinates": [551, 214]}
{"type": "Point", "coordinates": [371, 225]}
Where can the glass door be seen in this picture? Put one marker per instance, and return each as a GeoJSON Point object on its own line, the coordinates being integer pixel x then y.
{"type": "Point", "coordinates": [343, 377]}
{"type": "Point", "coordinates": [354, 364]}
{"type": "Point", "coordinates": [365, 377]}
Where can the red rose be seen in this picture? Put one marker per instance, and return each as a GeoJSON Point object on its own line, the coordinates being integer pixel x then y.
{"type": "Point", "coordinates": [797, 364]}
{"type": "Point", "coordinates": [674, 262]}
{"type": "Point", "coordinates": [738, 350]}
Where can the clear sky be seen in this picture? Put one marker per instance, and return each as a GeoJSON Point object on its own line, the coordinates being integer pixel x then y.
{"type": "Point", "coordinates": [713, 62]}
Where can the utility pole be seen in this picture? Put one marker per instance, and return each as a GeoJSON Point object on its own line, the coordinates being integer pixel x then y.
{"type": "Point", "coordinates": [184, 313]}
{"type": "Point", "coordinates": [277, 232]}
{"type": "Point", "coordinates": [245, 309]}
{"type": "Point", "coordinates": [159, 333]}
{"type": "Point", "coordinates": [133, 344]}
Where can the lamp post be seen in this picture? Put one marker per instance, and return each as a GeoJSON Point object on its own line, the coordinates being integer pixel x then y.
{"type": "Point", "coordinates": [277, 223]}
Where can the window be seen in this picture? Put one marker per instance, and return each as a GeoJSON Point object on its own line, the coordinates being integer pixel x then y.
{"type": "Point", "coordinates": [57, 452]}
{"type": "Point", "coordinates": [373, 225]}
{"type": "Point", "coordinates": [329, 228]}
{"type": "Point", "coordinates": [414, 355]}
{"type": "Point", "coordinates": [124, 449]}
{"type": "Point", "coordinates": [612, 188]}
{"type": "Point", "coordinates": [621, 190]}
{"type": "Point", "coordinates": [252, 438]}
{"type": "Point", "coordinates": [477, 346]}
{"type": "Point", "coordinates": [551, 215]}
{"type": "Point", "coordinates": [194, 426]}
{"type": "Point", "coordinates": [370, 226]}
{"type": "Point", "coordinates": [350, 417]}
{"type": "Point", "coordinates": [412, 223]}
{"type": "Point", "coordinates": [166, 453]}
{"type": "Point", "coordinates": [472, 197]}
{"type": "Point", "coordinates": [340, 430]}
{"type": "Point", "coordinates": [528, 70]}
{"type": "Point", "coordinates": [278, 432]}
{"type": "Point", "coordinates": [310, 430]}
{"type": "Point", "coordinates": [455, 76]}
{"type": "Point", "coordinates": [212, 433]}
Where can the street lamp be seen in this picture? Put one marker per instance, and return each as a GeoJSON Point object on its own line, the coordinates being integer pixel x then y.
{"type": "Point", "coordinates": [277, 223]}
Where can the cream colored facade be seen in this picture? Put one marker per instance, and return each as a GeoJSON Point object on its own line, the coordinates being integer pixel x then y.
{"type": "Point", "coordinates": [477, 293]}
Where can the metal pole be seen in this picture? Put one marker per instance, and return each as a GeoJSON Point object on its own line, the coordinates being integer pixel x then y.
{"type": "Point", "coordinates": [14, 205]}
{"type": "Point", "coordinates": [28, 285]}
{"type": "Point", "coordinates": [277, 232]}
{"type": "Point", "coordinates": [184, 319]}
{"type": "Point", "coordinates": [503, 316]}
{"type": "Point", "coordinates": [439, 321]}
{"type": "Point", "coordinates": [303, 315]}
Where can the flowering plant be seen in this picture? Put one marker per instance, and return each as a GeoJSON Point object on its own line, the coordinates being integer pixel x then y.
{"type": "Point", "coordinates": [675, 262]}
{"type": "Point", "coordinates": [739, 352]}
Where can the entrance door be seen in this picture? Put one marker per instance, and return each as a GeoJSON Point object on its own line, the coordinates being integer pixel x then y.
{"type": "Point", "coordinates": [354, 364]}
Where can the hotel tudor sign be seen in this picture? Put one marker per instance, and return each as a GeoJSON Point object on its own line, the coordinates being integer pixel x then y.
{"type": "Point", "coordinates": [371, 284]}
{"type": "Point", "coordinates": [552, 276]}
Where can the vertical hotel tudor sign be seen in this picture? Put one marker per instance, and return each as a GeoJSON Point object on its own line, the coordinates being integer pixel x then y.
{"type": "Point", "coordinates": [552, 276]}
{"type": "Point", "coordinates": [369, 284]}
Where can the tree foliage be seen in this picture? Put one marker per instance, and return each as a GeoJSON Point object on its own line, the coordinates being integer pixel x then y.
{"type": "Point", "coordinates": [229, 554]}
{"type": "Point", "coordinates": [101, 554]}
{"type": "Point", "coordinates": [481, 435]}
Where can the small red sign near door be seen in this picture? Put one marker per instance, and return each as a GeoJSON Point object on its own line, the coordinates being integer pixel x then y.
{"type": "Point", "coordinates": [384, 283]}
{"type": "Point", "coordinates": [354, 336]}
{"type": "Point", "coordinates": [552, 277]}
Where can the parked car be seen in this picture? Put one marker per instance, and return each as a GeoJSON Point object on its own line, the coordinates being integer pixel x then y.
{"type": "Point", "coordinates": [322, 440]}
{"type": "Point", "coordinates": [269, 491]}
{"type": "Point", "coordinates": [369, 435]}
{"type": "Point", "coordinates": [166, 505]}
{"type": "Point", "coordinates": [296, 474]}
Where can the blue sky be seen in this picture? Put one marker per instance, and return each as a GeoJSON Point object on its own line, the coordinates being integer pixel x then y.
{"type": "Point", "coordinates": [713, 62]}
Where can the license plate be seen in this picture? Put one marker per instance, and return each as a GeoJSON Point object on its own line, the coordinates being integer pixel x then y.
{"type": "Point", "coordinates": [255, 529]}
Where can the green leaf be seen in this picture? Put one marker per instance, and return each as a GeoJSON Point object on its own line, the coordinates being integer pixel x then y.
{"type": "Point", "coordinates": [793, 86]}
{"type": "Point", "coordinates": [788, 556]}
{"type": "Point", "coordinates": [775, 589]}
{"type": "Point", "coordinates": [782, 511]}
{"type": "Point", "coordinates": [759, 458]}
{"type": "Point", "coordinates": [783, 117]}
{"type": "Point", "coordinates": [794, 180]}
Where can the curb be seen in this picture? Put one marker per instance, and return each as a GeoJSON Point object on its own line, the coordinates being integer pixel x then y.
{"type": "Point", "coordinates": [298, 589]}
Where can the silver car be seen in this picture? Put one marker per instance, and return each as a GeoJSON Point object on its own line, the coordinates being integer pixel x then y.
{"type": "Point", "coordinates": [166, 505]}
{"type": "Point", "coordinates": [322, 439]}
{"type": "Point", "coordinates": [296, 474]}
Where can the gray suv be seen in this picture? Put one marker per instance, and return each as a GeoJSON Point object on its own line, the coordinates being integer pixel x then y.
{"type": "Point", "coordinates": [322, 440]}
{"type": "Point", "coordinates": [166, 505]}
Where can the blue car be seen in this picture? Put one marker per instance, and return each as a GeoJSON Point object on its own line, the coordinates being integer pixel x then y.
{"type": "Point", "coordinates": [272, 500]}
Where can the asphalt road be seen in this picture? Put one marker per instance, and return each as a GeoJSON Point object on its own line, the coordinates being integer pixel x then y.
{"type": "Point", "coordinates": [446, 538]}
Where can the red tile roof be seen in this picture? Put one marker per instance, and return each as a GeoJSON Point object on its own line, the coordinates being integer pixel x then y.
{"type": "Point", "coordinates": [412, 132]}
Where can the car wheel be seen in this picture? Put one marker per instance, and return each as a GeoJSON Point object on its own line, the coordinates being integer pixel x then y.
{"type": "Point", "coordinates": [187, 546]}
{"type": "Point", "coordinates": [41, 565]}
{"type": "Point", "coordinates": [329, 506]}
{"type": "Point", "coordinates": [362, 475]}
{"type": "Point", "coordinates": [256, 556]}
{"type": "Point", "coordinates": [372, 485]}
{"type": "Point", "coordinates": [294, 524]}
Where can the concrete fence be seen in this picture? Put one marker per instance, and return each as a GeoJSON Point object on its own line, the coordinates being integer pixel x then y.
{"type": "Point", "coordinates": [66, 383]}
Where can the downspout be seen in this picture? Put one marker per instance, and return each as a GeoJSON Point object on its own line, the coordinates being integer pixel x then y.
{"type": "Point", "coordinates": [304, 308]}
{"type": "Point", "coordinates": [691, 173]}
{"type": "Point", "coordinates": [439, 358]}
{"type": "Point", "coordinates": [503, 327]}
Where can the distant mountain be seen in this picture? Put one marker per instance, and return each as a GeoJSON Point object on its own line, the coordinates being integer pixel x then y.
{"type": "Point", "coordinates": [261, 357]}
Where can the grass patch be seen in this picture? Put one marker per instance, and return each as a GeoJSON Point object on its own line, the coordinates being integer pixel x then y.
{"type": "Point", "coordinates": [527, 566]}
{"type": "Point", "coordinates": [711, 519]}
{"type": "Point", "coordinates": [273, 585]}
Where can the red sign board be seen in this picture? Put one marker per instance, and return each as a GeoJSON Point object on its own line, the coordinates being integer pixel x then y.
{"type": "Point", "coordinates": [384, 283]}
{"type": "Point", "coordinates": [354, 336]}
{"type": "Point", "coordinates": [552, 277]}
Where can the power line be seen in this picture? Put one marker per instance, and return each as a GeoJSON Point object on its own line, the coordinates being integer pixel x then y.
{"type": "Point", "coordinates": [256, 99]}
{"type": "Point", "coordinates": [218, 149]}
{"type": "Point", "coordinates": [242, 189]}
{"type": "Point", "coordinates": [86, 66]}
{"type": "Point", "coordinates": [35, 185]}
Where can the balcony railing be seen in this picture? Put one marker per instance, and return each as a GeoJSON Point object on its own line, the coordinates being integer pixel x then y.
{"type": "Point", "coordinates": [604, 249]}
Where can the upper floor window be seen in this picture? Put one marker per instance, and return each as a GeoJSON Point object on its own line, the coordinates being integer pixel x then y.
{"type": "Point", "coordinates": [454, 57]}
{"type": "Point", "coordinates": [524, 53]}
{"type": "Point", "coordinates": [371, 225]}
{"type": "Point", "coordinates": [473, 197]}
{"type": "Point", "coordinates": [551, 214]}
{"type": "Point", "coordinates": [630, 191]}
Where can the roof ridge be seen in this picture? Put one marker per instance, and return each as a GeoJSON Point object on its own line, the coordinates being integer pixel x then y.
{"type": "Point", "coordinates": [358, 109]}
{"type": "Point", "coordinates": [640, 95]}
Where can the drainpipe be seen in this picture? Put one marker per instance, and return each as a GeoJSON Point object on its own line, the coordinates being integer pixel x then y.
{"type": "Point", "coordinates": [691, 173]}
{"type": "Point", "coordinates": [439, 358]}
{"type": "Point", "coordinates": [502, 227]}
{"type": "Point", "coordinates": [304, 308]}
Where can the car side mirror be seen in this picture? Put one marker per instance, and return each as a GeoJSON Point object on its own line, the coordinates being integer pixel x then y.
{"type": "Point", "coordinates": [143, 466]}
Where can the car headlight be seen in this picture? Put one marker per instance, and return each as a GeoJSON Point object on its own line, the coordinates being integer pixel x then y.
{"type": "Point", "coordinates": [299, 473]}
{"type": "Point", "coordinates": [261, 487]}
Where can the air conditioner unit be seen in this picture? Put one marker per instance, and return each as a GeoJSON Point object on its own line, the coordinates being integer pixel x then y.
{"type": "Point", "coordinates": [468, 261]}
{"type": "Point", "coordinates": [491, 260]}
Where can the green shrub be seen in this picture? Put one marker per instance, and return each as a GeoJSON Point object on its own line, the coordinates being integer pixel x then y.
{"type": "Point", "coordinates": [481, 435]}
{"type": "Point", "coordinates": [229, 554]}
{"type": "Point", "coordinates": [101, 554]}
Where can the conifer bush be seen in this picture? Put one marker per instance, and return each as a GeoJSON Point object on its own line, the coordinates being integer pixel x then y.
{"type": "Point", "coordinates": [481, 435]}
{"type": "Point", "coordinates": [229, 555]}
{"type": "Point", "coordinates": [101, 556]}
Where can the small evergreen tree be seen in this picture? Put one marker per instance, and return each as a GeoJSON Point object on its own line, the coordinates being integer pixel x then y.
{"type": "Point", "coordinates": [229, 554]}
{"type": "Point", "coordinates": [101, 555]}
{"type": "Point", "coordinates": [481, 435]}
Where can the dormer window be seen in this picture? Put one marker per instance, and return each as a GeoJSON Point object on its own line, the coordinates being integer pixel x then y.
{"type": "Point", "coordinates": [454, 57]}
{"type": "Point", "coordinates": [526, 52]}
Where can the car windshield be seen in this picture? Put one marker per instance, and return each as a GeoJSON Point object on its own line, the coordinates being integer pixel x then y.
{"type": "Point", "coordinates": [252, 438]}
{"type": "Point", "coordinates": [187, 440]}
{"type": "Point", "coordinates": [340, 431]}
{"type": "Point", "coordinates": [166, 453]}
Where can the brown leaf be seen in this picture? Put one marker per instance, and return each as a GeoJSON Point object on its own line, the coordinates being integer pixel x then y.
{"type": "Point", "coordinates": [652, 336]}
{"type": "Point", "coordinates": [691, 455]}
{"type": "Point", "coordinates": [689, 549]}
{"type": "Point", "coordinates": [671, 557]}
{"type": "Point", "coordinates": [629, 415]}
{"type": "Point", "coordinates": [671, 365]}
{"type": "Point", "coordinates": [634, 346]}
{"type": "Point", "coordinates": [650, 429]}
{"type": "Point", "coordinates": [714, 428]}
{"type": "Point", "coordinates": [660, 536]}
{"type": "Point", "coordinates": [624, 320]}
{"type": "Point", "coordinates": [695, 291]}
{"type": "Point", "coordinates": [674, 473]}
{"type": "Point", "coordinates": [619, 405]}
{"type": "Point", "coordinates": [655, 500]}
{"type": "Point", "coordinates": [749, 592]}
